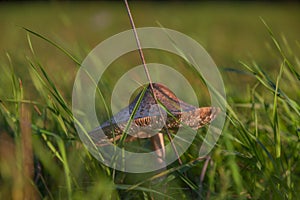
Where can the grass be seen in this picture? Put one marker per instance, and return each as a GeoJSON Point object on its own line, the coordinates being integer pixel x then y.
{"type": "Point", "coordinates": [257, 156]}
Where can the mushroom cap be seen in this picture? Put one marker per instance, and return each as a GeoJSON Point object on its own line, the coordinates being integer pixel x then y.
{"type": "Point", "coordinates": [150, 118]}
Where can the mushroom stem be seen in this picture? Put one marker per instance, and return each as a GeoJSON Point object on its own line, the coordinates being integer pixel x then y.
{"type": "Point", "coordinates": [159, 147]}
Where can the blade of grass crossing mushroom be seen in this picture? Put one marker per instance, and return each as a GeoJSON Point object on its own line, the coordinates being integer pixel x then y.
{"type": "Point", "coordinates": [124, 134]}
{"type": "Point", "coordinates": [132, 116]}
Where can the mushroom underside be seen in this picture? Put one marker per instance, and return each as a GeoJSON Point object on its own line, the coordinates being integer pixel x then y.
{"type": "Point", "coordinates": [148, 126]}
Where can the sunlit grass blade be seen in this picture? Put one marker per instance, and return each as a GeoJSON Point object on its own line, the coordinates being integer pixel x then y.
{"type": "Point", "coordinates": [278, 46]}
{"type": "Point", "coordinates": [276, 128]}
{"type": "Point", "coordinates": [54, 44]}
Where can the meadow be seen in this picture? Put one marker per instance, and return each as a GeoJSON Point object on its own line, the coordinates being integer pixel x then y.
{"type": "Point", "coordinates": [256, 48]}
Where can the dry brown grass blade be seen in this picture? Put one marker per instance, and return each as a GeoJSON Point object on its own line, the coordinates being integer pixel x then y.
{"type": "Point", "coordinates": [29, 191]}
{"type": "Point", "coordinates": [148, 77]}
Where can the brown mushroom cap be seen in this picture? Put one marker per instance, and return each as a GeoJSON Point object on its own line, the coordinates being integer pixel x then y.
{"type": "Point", "coordinates": [148, 118]}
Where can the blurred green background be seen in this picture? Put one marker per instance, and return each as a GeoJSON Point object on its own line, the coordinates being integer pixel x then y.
{"type": "Point", "coordinates": [230, 32]}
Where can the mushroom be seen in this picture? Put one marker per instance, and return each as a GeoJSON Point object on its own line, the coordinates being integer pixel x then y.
{"type": "Point", "coordinates": [149, 119]}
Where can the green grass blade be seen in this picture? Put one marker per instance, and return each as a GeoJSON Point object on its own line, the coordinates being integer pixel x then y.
{"type": "Point", "coordinates": [54, 44]}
